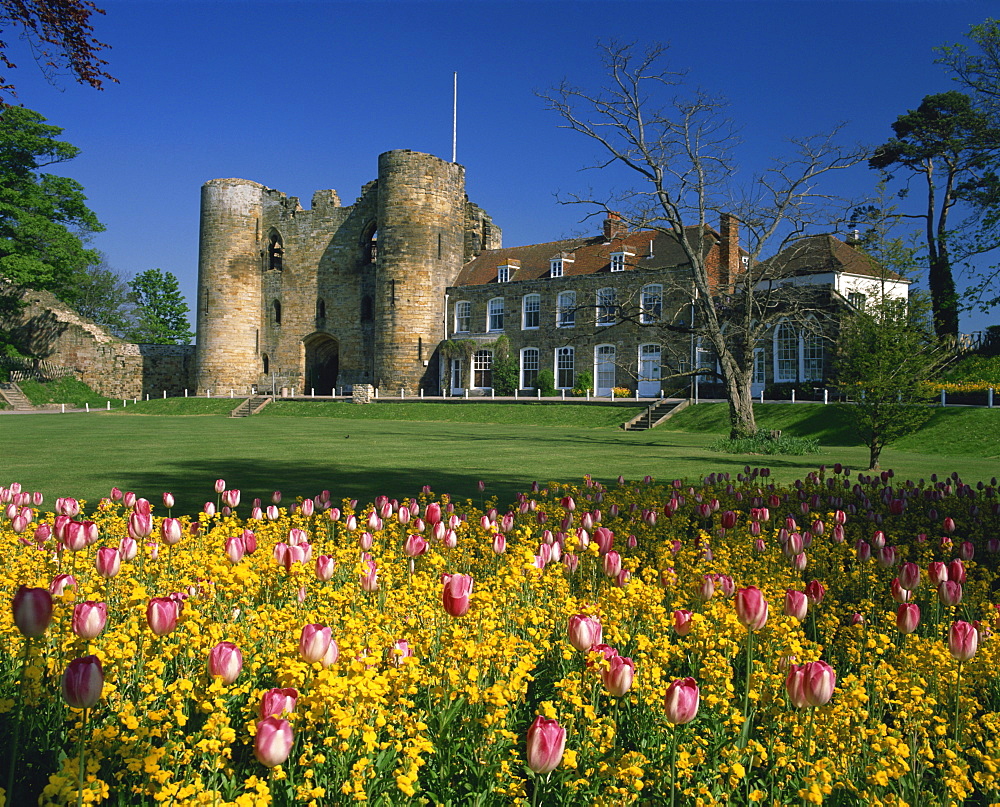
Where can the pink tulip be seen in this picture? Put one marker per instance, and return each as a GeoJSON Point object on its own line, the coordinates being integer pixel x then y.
{"type": "Point", "coordinates": [705, 589]}
{"type": "Point", "coordinates": [273, 742]}
{"type": "Point", "coordinates": [546, 745]}
{"type": "Point", "coordinates": [499, 543]}
{"type": "Point", "coordinates": [170, 531]}
{"type": "Point", "coordinates": [948, 525]}
{"type": "Point", "coordinates": [937, 572]}
{"type": "Point", "coordinates": [32, 611]}
{"type": "Point", "coordinates": [681, 701]}
{"type": "Point", "coordinates": [618, 677]}
{"type": "Point", "coordinates": [900, 594]}
{"type": "Point", "coordinates": [128, 548]}
{"type": "Point", "coordinates": [325, 566]}
{"type": "Point", "coordinates": [168, 500]}
{"type": "Point", "coordinates": [220, 485]}
{"type": "Point", "coordinates": [331, 655]}
{"type": "Point", "coordinates": [605, 539]}
{"type": "Point", "coordinates": [796, 604]}
{"type": "Point", "coordinates": [907, 617]}
{"type": "Point", "coordinates": [308, 506]}
{"type": "Point", "coordinates": [235, 548]}
{"type": "Point", "coordinates": [909, 575]}
{"type": "Point", "coordinates": [60, 583]}
{"type": "Point", "coordinates": [140, 525]}
{"type": "Point", "coordinates": [815, 592]}
{"type": "Point", "coordinates": [74, 534]}
{"type": "Point", "coordinates": [967, 550]}
{"type": "Point", "coordinates": [225, 661]}
{"type": "Point", "coordinates": [950, 592]}
{"type": "Point", "coordinates": [272, 513]}
{"type": "Point", "coordinates": [584, 632]}
{"type": "Point", "coordinates": [108, 562]}
{"type": "Point", "coordinates": [162, 614]}
{"type": "Point", "coordinates": [414, 546]}
{"type": "Point", "coordinates": [956, 571]}
{"type": "Point", "coordinates": [369, 576]}
{"type": "Point", "coordinates": [432, 515]}
{"type": "Point", "coordinates": [612, 565]}
{"type": "Point", "coordinates": [963, 641]}
{"type": "Point", "coordinates": [314, 641]}
{"type": "Point", "coordinates": [455, 593]}
{"type": "Point", "coordinates": [276, 702]}
{"type": "Point", "coordinates": [751, 608]}
{"type": "Point", "coordinates": [682, 622]}
{"type": "Point", "coordinates": [116, 494]}
{"type": "Point", "coordinates": [89, 619]}
{"type": "Point", "coordinates": [83, 682]}
{"type": "Point", "coordinates": [399, 652]}
{"type": "Point", "coordinates": [810, 684]}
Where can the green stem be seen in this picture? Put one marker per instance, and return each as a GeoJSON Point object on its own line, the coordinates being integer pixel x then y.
{"type": "Point", "coordinates": [16, 739]}
{"type": "Point", "coordinates": [81, 776]}
{"type": "Point", "coordinates": [746, 687]}
{"type": "Point", "coordinates": [958, 702]}
{"type": "Point", "coordinates": [673, 768]}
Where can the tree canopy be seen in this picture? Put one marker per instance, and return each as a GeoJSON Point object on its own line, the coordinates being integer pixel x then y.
{"type": "Point", "coordinates": [60, 35]}
{"type": "Point", "coordinates": [44, 219]}
{"type": "Point", "coordinates": [160, 310]}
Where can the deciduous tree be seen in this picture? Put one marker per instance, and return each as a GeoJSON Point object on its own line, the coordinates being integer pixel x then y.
{"type": "Point", "coordinates": [160, 310]}
{"type": "Point", "coordinates": [680, 148]}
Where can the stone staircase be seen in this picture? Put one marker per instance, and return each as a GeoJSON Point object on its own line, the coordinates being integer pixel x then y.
{"type": "Point", "coordinates": [656, 414]}
{"type": "Point", "coordinates": [251, 406]}
{"type": "Point", "coordinates": [16, 399]}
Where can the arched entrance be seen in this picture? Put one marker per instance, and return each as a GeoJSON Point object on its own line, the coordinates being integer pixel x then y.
{"type": "Point", "coordinates": [322, 363]}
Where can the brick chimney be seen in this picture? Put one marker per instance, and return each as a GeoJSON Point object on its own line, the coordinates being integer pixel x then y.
{"type": "Point", "coordinates": [730, 260]}
{"type": "Point", "coordinates": [614, 227]}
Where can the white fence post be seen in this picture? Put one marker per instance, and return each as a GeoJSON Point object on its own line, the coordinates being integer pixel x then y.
{"type": "Point", "coordinates": [944, 397]}
{"type": "Point", "coordinates": [989, 398]}
{"type": "Point", "coordinates": [826, 396]}
{"type": "Point", "coordinates": [793, 395]}
{"type": "Point", "coordinates": [762, 396]}
{"type": "Point", "coordinates": [185, 392]}
{"type": "Point", "coordinates": [109, 406]}
{"type": "Point", "coordinates": [88, 406]}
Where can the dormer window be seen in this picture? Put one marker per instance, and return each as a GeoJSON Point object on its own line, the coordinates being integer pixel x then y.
{"type": "Point", "coordinates": [619, 260]}
{"type": "Point", "coordinates": [558, 263]}
{"type": "Point", "coordinates": [505, 273]}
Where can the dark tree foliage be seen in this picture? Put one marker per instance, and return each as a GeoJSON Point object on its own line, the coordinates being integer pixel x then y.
{"type": "Point", "coordinates": [953, 148]}
{"type": "Point", "coordinates": [103, 295]}
{"type": "Point", "coordinates": [60, 35]}
{"type": "Point", "coordinates": [44, 218]}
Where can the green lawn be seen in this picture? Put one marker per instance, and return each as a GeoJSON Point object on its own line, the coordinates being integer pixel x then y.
{"type": "Point", "coordinates": [85, 455]}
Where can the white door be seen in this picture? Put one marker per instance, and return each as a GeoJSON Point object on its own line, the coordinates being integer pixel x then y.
{"type": "Point", "coordinates": [649, 371]}
{"type": "Point", "coordinates": [604, 370]}
{"type": "Point", "coordinates": [456, 377]}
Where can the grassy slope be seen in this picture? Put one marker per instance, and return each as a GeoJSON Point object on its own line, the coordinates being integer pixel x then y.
{"type": "Point", "coordinates": [84, 455]}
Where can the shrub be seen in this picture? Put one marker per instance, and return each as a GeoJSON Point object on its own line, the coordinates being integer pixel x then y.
{"type": "Point", "coordinates": [982, 369]}
{"type": "Point", "coordinates": [546, 383]}
{"type": "Point", "coordinates": [584, 384]}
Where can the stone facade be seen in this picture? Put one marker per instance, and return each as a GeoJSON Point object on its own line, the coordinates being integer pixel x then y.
{"type": "Point", "coordinates": [333, 296]}
{"type": "Point", "coordinates": [53, 332]}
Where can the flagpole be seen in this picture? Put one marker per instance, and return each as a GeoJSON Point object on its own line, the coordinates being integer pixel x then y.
{"type": "Point", "coordinates": [454, 117]}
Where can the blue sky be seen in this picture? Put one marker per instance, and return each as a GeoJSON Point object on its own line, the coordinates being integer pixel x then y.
{"type": "Point", "coordinates": [304, 95]}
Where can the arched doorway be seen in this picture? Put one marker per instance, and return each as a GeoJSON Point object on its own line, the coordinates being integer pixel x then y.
{"type": "Point", "coordinates": [322, 363]}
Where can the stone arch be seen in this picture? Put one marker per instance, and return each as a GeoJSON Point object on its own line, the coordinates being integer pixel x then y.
{"type": "Point", "coordinates": [275, 250]}
{"type": "Point", "coordinates": [322, 363]}
{"type": "Point", "coordinates": [369, 243]}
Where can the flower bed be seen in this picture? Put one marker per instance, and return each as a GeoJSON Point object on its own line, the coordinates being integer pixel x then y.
{"type": "Point", "coordinates": [723, 642]}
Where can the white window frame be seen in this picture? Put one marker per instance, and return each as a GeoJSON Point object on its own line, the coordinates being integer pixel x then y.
{"type": "Point", "coordinates": [503, 274]}
{"type": "Point", "coordinates": [857, 299]}
{"type": "Point", "coordinates": [495, 314]}
{"type": "Point", "coordinates": [463, 315]}
{"type": "Point", "coordinates": [786, 353]}
{"type": "Point", "coordinates": [566, 309]}
{"type": "Point", "coordinates": [605, 314]}
{"type": "Point", "coordinates": [652, 304]}
{"type": "Point", "coordinates": [605, 355]}
{"type": "Point", "coordinates": [531, 312]}
{"type": "Point", "coordinates": [565, 362]}
{"type": "Point", "coordinates": [556, 267]}
{"type": "Point", "coordinates": [618, 260]}
{"type": "Point", "coordinates": [813, 353]}
{"type": "Point", "coordinates": [531, 363]}
{"type": "Point", "coordinates": [482, 362]}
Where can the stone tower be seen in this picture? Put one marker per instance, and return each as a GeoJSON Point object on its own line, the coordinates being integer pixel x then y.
{"type": "Point", "coordinates": [324, 298]}
{"type": "Point", "coordinates": [421, 243]}
{"type": "Point", "coordinates": [229, 283]}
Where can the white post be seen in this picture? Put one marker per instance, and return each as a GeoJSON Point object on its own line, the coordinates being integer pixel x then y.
{"type": "Point", "coordinates": [466, 392]}
{"type": "Point", "coordinates": [109, 406]}
{"type": "Point", "coordinates": [826, 396]}
{"type": "Point", "coordinates": [989, 398]}
{"type": "Point", "coordinates": [135, 400]}
{"type": "Point", "coordinates": [944, 397]}
{"type": "Point", "coordinates": [564, 395]}
{"type": "Point", "coordinates": [147, 396]}
{"type": "Point", "coordinates": [185, 392]}
{"type": "Point", "coordinates": [421, 392]}
{"type": "Point", "coordinates": [88, 406]}
{"type": "Point", "coordinates": [793, 395]}
{"type": "Point", "coordinates": [762, 396]}
{"type": "Point", "coordinates": [313, 392]}
{"type": "Point", "coordinates": [64, 409]}
{"type": "Point", "coordinates": [493, 393]}
{"type": "Point", "coordinates": [208, 393]}
{"type": "Point", "coordinates": [164, 395]}
{"type": "Point", "coordinates": [539, 391]}
{"type": "Point", "coordinates": [232, 394]}
{"type": "Point", "coordinates": [123, 403]}
{"type": "Point", "coordinates": [515, 395]}
{"type": "Point", "coordinates": [637, 392]}
{"type": "Point", "coordinates": [376, 392]}
{"type": "Point", "coordinates": [402, 393]}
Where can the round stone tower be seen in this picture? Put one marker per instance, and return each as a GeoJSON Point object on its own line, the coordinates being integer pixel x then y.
{"type": "Point", "coordinates": [229, 284]}
{"type": "Point", "coordinates": [421, 217]}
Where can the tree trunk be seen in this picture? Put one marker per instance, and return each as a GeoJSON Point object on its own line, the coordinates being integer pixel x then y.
{"type": "Point", "coordinates": [875, 451]}
{"type": "Point", "coordinates": [742, 422]}
{"type": "Point", "coordinates": [944, 298]}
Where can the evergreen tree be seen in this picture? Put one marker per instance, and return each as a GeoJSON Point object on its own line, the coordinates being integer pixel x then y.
{"type": "Point", "coordinates": [160, 310]}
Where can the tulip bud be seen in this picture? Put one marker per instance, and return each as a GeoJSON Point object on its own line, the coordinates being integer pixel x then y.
{"type": "Point", "coordinates": [907, 617]}
{"type": "Point", "coordinates": [584, 632]}
{"type": "Point", "coordinates": [618, 677]}
{"type": "Point", "coordinates": [681, 701]}
{"type": "Point", "coordinates": [108, 562]}
{"type": "Point", "coordinates": [751, 608]}
{"type": "Point", "coordinates": [455, 593]}
{"type": "Point", "coordinates": [963, 641]}
{"type": "Point", "coordinates": [89, 619]}
{"type": "Point", "coordinates": [314, 641]}
{"type": "Point", "coordinates": [369, 576]}
{"type": "Point", "coordinates": [796, 604]}
{"type": "Point", "coordinates": [414, 546]}
{"type": "Point", "coordinates": [276, 702]}
{"type": "Point", "coordinates": [32, 611]}
{"type": "Point", "coordinates": [225, 661]}
{"type": "Point", "coordinates": [815, 592]}
{"type": "Point", "coordinates": [273, 742]}
{"type": "Point", "coordinates": [220, 485]}
{"type": "Point", "coordinates": [162, 614]}
{"type": "Point", "coordinates": [546, 745]}
{"type": "Point", "coordinates": [325, 566]}
{"type": "Point", "coordinates": [612, 565]}
{"type": "Point", "coordinates": [60, 583]}
{"type": "Point", "coordinates": [909, 576]}
{"type": "Point", "coordinates": [682, 622]}
{"type": "Point", "coordinates": [950, 592]}
{"type": "Point", "coordinates": [83, 682]}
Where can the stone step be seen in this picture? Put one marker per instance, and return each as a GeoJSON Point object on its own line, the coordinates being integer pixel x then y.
{"type": "Point", "coordinates": [16, 399]}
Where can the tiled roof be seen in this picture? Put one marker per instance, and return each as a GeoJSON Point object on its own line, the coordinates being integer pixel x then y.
{"type": "Point", "coordinates": [589, 256]}
{"type": "Point", "coordinates": [827, 253]}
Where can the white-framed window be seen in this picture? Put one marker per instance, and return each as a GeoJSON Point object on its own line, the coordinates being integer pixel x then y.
{"type": "Point", "coordinates": [759, 366]}
{"type": "Point", "coordinates": [503, 274]}
{"type": "Point", "coordinates": [495, 315]}
{"type": "Point", "coordinates": [649, 369]}
{"type": "Point", "coordinates": [604, 369]}
{"type": "Point", "coordinates": [812, 355]}
{"type": "Point", "coordinates": [619, 260]}
{"type": "Point", "coordinates": [566, 309]}
{"type": "Point", "coordinates": [463, 316]}
{"type": "Point", "coordinates": [531, 311]}
{"type": "Point", "coordinates": [857, 299]}
{"type": "Point", "coordinates": [565, 368]}
{"type": "Point", "coordinates": [786, 353]}
{"type": "Point", "coordinates": [652, 304]}
{"type": "Point", "coordinates": [482, 369]}
{"type": "Point", "coordinates": [606, 306]}
{"type": "Point", "coordinates": [556, 267]}
{"type": "Point", "coordinates": [529, 367]}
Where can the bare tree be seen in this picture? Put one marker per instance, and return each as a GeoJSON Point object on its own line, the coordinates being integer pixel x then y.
{"type": "Point", "coordinates": [681, 148]}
